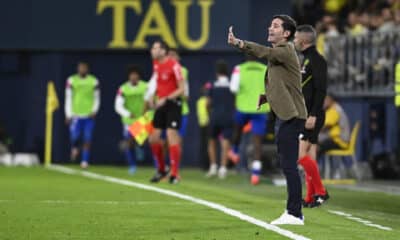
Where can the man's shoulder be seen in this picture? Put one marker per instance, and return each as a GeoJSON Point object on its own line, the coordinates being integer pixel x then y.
{"type": "Point", "coordinates": [171, 62]}
{"type": "Point", "coordinates": [143, 83]}
{"type": "Point", "coordinates": [315, 56]}
{"type": "Point", "coordinates": [72, 77]}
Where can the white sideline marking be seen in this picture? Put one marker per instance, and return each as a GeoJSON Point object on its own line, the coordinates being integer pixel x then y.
{"type": "Point", "coordinates": [360, 220]}
{"type": "Point", "coordinates": [101, 202]}
{"type": "Point", "coordinates": [199, 201]}
{"type": "Point", "coordinates": [113, 202]}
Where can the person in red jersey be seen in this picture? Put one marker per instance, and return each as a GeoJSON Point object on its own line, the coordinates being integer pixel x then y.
{"type": "Point", "coordinates": [164, 95]}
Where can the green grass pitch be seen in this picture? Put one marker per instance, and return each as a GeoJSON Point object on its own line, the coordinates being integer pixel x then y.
{"type": "Point", "coordinates": [37, 203]}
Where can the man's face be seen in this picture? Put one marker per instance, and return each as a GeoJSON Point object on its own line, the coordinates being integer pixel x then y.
{"type": "Point", "coordinates": [83, 69]}
{"type": "Point", "coordinates": [157, 51]}
{"type": "Point", "coordinates": [134, 78]}
{"type": "Point", "coordinates": [276, 32]}
{"type": "Point", "coordinates": [352, 19]}
{"type": "Point", "coordinates": [328, 102]}
{"type": "Point", "coordinates": [173, 54]}
{"type": "Point", "coordinates": [299, 41]}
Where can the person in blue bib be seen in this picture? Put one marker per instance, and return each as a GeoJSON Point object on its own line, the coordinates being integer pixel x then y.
{"type": "Point", "coordinates": [82, 102]}
{"type": "Point", "coordinates": [247, 83]}
{"type": "Point", "coordinates": [129, 104]}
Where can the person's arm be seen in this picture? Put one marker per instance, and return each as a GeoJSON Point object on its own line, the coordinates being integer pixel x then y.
{"type": "Point", "coordinates": [151, 91]}
{"type": "Point", "coordinates": [319, 75]}
{"type": "Point", "coordinates": [181, 82]}
{"type": "Point", "coordinates": [119, 105]}
{"type": "Point", "coordinates": [235, 80]}
{"type": "Point", "coordinates": [96, 104]}
{"type": "Point", "coordinates": [276, 54]}
{"type": "Point", "coordinates": [68, 100]}
{"type": "Point", "coordinates": [331, 118]}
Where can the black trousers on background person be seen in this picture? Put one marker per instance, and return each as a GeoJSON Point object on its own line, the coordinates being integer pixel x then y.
{"type": "Point", "coordinates": [204, 135]}
{"type": "Point", "coordinates": [288, 151]}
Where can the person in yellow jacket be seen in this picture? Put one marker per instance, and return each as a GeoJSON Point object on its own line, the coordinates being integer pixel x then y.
{"type": "Point", "coordinates": [335, 133]}
{"type": "Point", "coordinates": [397, 99]}
{"type": "Point", "coordinates": [129, 104]}
{"type": "Point", "coordinates": [397, 86]}
{"type": "Point", "coordinates": [203, 119]}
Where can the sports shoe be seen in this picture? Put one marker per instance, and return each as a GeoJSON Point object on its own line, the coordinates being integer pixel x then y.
{"type": "Point", "coordinates": [173, 180]}
{"type": "Point", "coordinates": [84, 165]}
{"type": "Point", "coordinates": [222, 172]}
{"type": "Point", "coordinates": [319, 200]}
{"type": "Point", "coordinates": [306, 204]}
{"type": "Point", "coordinates": [234, 157]}
{"type": "Point", "coordinates": [288, 219]}
{"type": "Point", "coordinates": [212, 171]}
{"type": "Point", "coordinates": [158, 177]}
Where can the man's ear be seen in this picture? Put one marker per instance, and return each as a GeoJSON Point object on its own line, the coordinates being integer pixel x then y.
{"type": "Point", "coordinates": [286, 33]}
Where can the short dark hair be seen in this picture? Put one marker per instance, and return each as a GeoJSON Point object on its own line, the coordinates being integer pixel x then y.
{"type": "Point", "coordinates": [163, 44]}
{"type": "Point", "coordinates": [221, 67]}
{"type": "Point", "coordinates": [308, 29]}
{"type": "Point", "coordinates": [134, 69]}
{"type": "Point", "coordinates": [288, 25]}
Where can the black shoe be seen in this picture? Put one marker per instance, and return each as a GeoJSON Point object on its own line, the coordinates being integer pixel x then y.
{"type": "Point", "coordinates": [158, 177]}
{"type": "Point", "coordinates": [173, 180]}
{"type": "Point", "coordinates": [306, 204]}
{"type": "Point", "coordinates": [320, 199]}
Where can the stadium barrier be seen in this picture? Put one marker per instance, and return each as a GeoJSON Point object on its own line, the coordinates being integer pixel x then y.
{"type": "Point", "coordinates": [362, 65]}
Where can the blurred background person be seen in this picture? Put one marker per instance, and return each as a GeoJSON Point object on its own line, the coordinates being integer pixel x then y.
{"type": "Point", "coordinates": [354, 24]}
{"type": "Point", "coordinates": [335, 133]}
{"type": "Point", "coordinates": [164, 94]}
{"type": "Point", "coordinates": [221, 105]}
{"type": "Point", "coordinates": [82, 102]}
{"type": "Point", "coordinates": [173, 53]}
{"type": "Point", "coordinates": [129, 104]}
{"type": "Point", "coordinates": [247, 83]}
{"type": "Point", "coordinates": [314, 77]}
{"type": "Point", "coordinates": [203, 119]}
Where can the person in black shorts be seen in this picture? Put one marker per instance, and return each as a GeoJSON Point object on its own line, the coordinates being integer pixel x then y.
{"type": "Point", "coordinates": [164, 94]}
{"type": "Point", "coordinates": [221, 105]}
{"type": "Point", "coordinates": [314, 75]}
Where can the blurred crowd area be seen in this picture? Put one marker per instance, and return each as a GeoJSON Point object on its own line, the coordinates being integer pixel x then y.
{"type": "Point", "coordinates": [355, 17]}
{"type": "Point", "coordinates": [360, 40]}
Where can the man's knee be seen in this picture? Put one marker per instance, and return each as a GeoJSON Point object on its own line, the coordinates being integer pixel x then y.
{"type": "Point", "coordinates": [173, 136]}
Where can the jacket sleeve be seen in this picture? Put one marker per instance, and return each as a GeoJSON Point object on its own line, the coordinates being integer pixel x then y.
{"type": "Point", "coordinates": [119, 105]}
{"type": "Point", "coordinates": [96, 104]}
{"type": "Point", "coordinates": [68, 99]}
{"type": "Point", "coordinates": [277, 54]}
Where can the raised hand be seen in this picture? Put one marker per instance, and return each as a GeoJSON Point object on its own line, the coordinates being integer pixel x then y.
{"type": "Point", "coordinates": [232, 40]}
{"type": "Point", "coordinates": [231, 36]}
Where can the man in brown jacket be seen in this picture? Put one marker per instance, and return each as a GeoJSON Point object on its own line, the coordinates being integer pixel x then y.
{"type": "Point", "coordinates": [283, 84]}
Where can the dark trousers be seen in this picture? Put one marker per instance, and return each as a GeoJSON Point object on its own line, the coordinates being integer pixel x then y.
{"type": "Point", "coordinates": [288, 151]}
{"type": "Point", "coordinates": [325, 146]}
{"type": "Point", "coordinates": [204, 136]}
